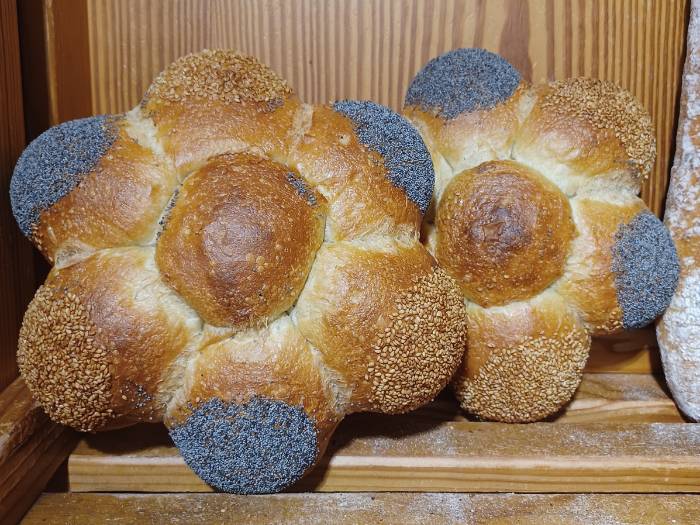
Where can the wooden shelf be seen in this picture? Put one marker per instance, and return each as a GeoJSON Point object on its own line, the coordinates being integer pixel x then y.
{"type": "Point", "coordinates": [435, 509]}
{"type": "Point", "coordinates": [31, 448]}
{"type": "Point", "coordinates": [621, 433]}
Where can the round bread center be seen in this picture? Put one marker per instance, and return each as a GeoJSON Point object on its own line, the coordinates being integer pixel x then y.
{"type": "Point", "coordinates": [503, 232]}
{"type": "Point", "coordinates": [240, 240]}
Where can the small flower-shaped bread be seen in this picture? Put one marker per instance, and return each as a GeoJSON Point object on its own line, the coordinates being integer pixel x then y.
{"type": "Point", "coordinates": [536, 216]}
{"type": "Point", "coordinates": [234, 262]}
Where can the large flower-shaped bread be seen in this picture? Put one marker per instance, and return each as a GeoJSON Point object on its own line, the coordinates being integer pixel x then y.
{"type": "Point", "coordinates": [536, 216]}
{"type": "Point", "coordinates": [234, 262]}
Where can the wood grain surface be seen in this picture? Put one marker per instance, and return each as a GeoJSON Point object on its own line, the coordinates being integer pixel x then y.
{"type": "Point", "coordinates": [370, 49]}
{"type": "Point", "coordinates": [16, 268]}
{"type": "Point", "coordinates": [346, 509]}
{"type": "Point", "coordinates": [100, 56]}
{"type": "Point", "coordinates": [31, 449]}
{"type": "Point", "coordinates": [621, 434]}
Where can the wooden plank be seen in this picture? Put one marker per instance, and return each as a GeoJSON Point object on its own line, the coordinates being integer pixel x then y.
{"type": "Point", "coordinates": [631, 398]}
{"type": "Point", "coordinates": [31, 449]}
{"type": "Point", "coordinates": [436, 508]}
{"type": "Point", "coordinates": [67, 59]}
{"type": "Point", "coordinates": [371, 49]}
{"type": "Point", "coordinates": [20, 417]}
{"type": "Point", "coordinates": [635, 352]}
{"type": "Point", "coordinates": [16, 277]}
{"type": "Point", "coordinates": [436, 449]}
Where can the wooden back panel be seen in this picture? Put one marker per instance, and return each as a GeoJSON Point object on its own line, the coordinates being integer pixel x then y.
{"type": "Point", "coordinates": [102, 55]}
{"type": "Point", "coordinates": [16, 262]}
{"type": "Point", "coordinates": [370, 49]}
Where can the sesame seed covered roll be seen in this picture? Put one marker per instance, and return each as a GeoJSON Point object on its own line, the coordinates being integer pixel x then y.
{"type": "Point", "coordinates": [103, 339]}
{"type": "Point", "coordinates": [583, 128]}
{"type": "Point", "coordinates": [523, 361]}
{"type": "Point", "coordinates": [219, 101]}
{"type": "Point", "coordinates": [386, 318]}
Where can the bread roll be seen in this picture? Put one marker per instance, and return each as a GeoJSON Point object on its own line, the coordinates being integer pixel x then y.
{"type": "Point", "coordinates": [240, 265]}
{"type": "Point", "coordinates": [536, 216]}
{"type": "Point", "coordinates": [678, 331]}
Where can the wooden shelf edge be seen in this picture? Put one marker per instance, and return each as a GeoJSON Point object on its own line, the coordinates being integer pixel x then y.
{"type": "Point", "coordinates": [31, 449]}
{"type": "Point", "coordinates": [621, 433]}
{"type": "Point", "coordinates": [434, 508]}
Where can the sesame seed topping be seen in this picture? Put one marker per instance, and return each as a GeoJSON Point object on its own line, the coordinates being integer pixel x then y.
{"type": "Point", "coordinates": [406, 158]}
{"type": "Point", "coordinates": [55, 163]}
{"type": "Point", "coordinates": [258, 447]}
{"type": "Point", "coordinates": [462, 81]}
{"type": "Point", "coordinates": [646, 269]}
{"type": "Point", "coordinates": [415, 356]}
{"type": "Point", "coordinates": [218, 75]}
{"type": "Point", "coordinates": [606, 106]}
{"type": "Point", "coordinates": [63, 362]}
{"type": "Point", "coordinates": [526, 382]}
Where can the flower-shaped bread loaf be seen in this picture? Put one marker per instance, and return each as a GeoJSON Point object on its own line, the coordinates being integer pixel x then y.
{"type": "Point", "coordinates": [536, 216]}
{"type": "Point", "coordinates": [234, 262]}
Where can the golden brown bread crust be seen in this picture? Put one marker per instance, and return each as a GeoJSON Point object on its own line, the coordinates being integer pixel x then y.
{"type": "Point", "coordinates": [117, 204]}
{"type": "Point", "coordinates": [369, 308]}
{"type": "Point", "coordinates": [582, 128]}
{"type": "Point", "coordinates": [473, 137]}
{"type": "Point", "coordinates": [353, 179]}
{"type": "Point", "coordinates": [589, 281]}
{"type": "Point", "coordinates": [541, 263]}
{"type": "Point", "coordinates": [496, 224]}
{"type": "Point", "coordinates": [248, 184]}
{"type": "Point", "coordinates": [100, 338]}
{"type": "Point", "coordinates": [240, 239]}
{"type": "Point", "coordinates": [274, 362]}
{"type": "Point", "coordinates": [524, 361]}
{"type": "Point", "coordinates": [217, 101]}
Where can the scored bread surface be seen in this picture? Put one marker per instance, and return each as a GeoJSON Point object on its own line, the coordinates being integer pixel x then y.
{"type": "Point", "coordinates": [243, 266]}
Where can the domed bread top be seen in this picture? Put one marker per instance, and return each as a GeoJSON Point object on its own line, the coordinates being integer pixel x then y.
{"type": "Point", "coordinates": [259, 410]}
{"type": "Point", "coordinates": [462, 81]}
{"type": "Point", "coordinates": [581, 128]}
{"type": "Point", "coordinates": [377, 309]}
{"type": "Point", "coordinates": [623, 266]}
{"type": "Point", "coordinates": [249, 229]}
{"type": "Point", "coordinates": [367, 190]}
{"type": "Point", "coordinates": [219, 101]}
{"type": "Point", "coordinates": [101, 338]}
{"type": "Point", "coordinates": [523, 361]}
{"type": "Point", "coordinates": [77, 197]}
{"type": "Point", "coordinates": [405, 156]}
{"type": "Point", "coordinates": [496, 225]}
